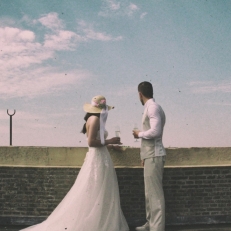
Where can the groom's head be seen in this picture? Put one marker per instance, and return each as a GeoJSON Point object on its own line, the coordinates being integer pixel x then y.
{"type": "Point", "coordinates": [145, 91]}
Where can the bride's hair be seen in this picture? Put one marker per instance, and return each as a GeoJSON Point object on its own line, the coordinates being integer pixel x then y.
{"type": "Point", "coordinates": [86, 117]}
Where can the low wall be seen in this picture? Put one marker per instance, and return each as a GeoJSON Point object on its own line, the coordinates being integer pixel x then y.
{"type": "Point", "coordinates": [196, 183]}
{"type": "Point", "coordinates": [128, 158]}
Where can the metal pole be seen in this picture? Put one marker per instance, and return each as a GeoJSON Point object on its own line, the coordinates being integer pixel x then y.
{"type": "Point", "coordinates": [10, 125]}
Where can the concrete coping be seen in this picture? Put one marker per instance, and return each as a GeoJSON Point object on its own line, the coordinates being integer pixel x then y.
{"type": "Point", "coordinates": [73, 157]}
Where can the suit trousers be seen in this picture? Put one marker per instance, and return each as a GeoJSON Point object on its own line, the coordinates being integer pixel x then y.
{"type": "Point", "coordinates": [154, 194]}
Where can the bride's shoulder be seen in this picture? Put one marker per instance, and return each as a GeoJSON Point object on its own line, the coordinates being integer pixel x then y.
{"type": "Point", "coordinates": [92, 121]}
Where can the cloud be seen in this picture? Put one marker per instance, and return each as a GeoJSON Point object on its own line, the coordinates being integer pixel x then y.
{"type": "Point", "coordinates": [210, 87]}
{"type": "Point", "coordinates": [51, 21]}
{"type": "Point", "coordinates": [111, 8]}
{"type": "Point", "coordinates": [62, 40]}
{"type": "Point", "coordinates": [113, 5]}
{"type": "Point", "coordinates": [9, 34]}
{"type": "Point", "coordinates": [6, 21]}
{"type": "Point", "coordinates": [23, 56]}
{"type": "Point", "coordinates": [143, 15]}
{"type": "Point", "coordinates": [91, 34]}
{"type": "Point", "coordinates": [132, 8]}
{"type": "Point", "coordinates": [19, 49]}
{"type": "Point", "coordinates": [39, 81]}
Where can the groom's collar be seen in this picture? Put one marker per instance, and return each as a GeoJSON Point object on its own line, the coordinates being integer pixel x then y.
{"type": "Point", "coordinates": [149, 101]}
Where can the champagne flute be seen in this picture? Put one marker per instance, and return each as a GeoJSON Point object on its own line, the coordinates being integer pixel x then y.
{"type": "Point", "coordinates": [117, 131]}
{"type": "Point", "coordinates": [135, 128]}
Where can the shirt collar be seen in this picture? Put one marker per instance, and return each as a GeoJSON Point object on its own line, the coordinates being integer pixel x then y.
{"type": "Point", "coordinates": [149, 101]}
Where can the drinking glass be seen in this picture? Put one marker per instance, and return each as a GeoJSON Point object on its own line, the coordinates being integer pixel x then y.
{"type": "Point", "coordinates": [135, 127]}
{"type": "Point", "coordinates": [117, 131]}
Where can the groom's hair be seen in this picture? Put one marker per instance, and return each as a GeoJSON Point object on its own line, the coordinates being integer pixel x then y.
{"type": "Point", "coordinates": [146, 89]}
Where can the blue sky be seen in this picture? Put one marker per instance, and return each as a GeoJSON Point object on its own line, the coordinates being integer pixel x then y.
{"type": "Point", "coordinates": [56, 55]}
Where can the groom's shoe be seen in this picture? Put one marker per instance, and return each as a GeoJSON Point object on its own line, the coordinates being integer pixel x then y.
{"type": "Point", "coordinates": [144, 227]}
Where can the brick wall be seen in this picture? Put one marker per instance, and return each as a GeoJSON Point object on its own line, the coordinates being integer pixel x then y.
{"type": "Point", "coordinates": [198, 195]}
{"type": "Point", "coordinates": [193, 195]}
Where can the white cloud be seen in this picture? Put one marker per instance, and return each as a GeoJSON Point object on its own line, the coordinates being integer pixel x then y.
{"type": "Point", "coordinates": [51, 21]}
{"type": "Point", "coordinates": [90, 34]}
{"type": "Point", "coordinates": [113, 5]}
{"type": "Point", "coordinates": [132, 8]}
{"type": "Point", "coordinates": [112, 8]}
{"type": "Point", "coordinates": [39, 81]}
{"type": "Point", "coordinates": [62, 40]}
{"type": "Point", "coordinates": [19, 50]}
{"type": "Point", "coordinates": [19, 55]}
{"type": "Point", "coordinates": [210, 87]}
{"type": "Point", "coordinates": [22, 57]}
{"type": "Point", "coordinates": [9, 34]}
{"type": "Point", "coordinates": [143, 15]}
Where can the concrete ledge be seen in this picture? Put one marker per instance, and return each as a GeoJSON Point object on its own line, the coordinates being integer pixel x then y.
{"type": "Point", "coordinates": [129, 158]}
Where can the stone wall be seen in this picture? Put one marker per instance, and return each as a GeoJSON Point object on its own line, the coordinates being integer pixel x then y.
{"type": "Point", "coordinates": [32, 184]}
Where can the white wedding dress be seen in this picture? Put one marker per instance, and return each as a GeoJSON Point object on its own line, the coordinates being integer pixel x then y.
{"type": "Point", "coordinates": [93, 202]}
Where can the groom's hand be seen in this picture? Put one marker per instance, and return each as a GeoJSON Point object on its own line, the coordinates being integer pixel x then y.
{"type": "Point", "coordinates": [135, 133]}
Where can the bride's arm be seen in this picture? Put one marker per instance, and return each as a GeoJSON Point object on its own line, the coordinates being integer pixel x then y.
{"type": "Point", "coordinates": [92, 127]}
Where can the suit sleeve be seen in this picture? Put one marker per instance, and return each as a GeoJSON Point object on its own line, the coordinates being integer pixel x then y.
{"type": "Point", "coordinates": [155, 130]}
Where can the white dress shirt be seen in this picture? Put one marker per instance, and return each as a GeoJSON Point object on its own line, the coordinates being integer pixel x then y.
{"type": "Point", "coordinates": [156, 118]}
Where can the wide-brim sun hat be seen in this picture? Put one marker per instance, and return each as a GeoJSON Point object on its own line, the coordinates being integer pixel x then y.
{"type": "Point", "coordinates": [98, 103]}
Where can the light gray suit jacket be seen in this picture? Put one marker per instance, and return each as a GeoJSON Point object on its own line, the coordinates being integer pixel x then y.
{"type": "Point", "coordinates": [153, 122]}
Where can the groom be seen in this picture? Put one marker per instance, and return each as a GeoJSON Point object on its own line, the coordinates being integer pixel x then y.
{"type": "Point", "coordinates": [152, 154]}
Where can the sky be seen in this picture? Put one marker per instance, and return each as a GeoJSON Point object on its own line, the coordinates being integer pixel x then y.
{"type": "Point", "coordinates": [56, 55]}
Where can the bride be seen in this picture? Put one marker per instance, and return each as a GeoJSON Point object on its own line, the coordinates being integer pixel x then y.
{"type": "Point", "coordinates": [93, 202]}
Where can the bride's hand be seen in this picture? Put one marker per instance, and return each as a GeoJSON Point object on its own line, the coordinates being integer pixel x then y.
{"type": "Point", "coordinates": [115, 140]}
{"type": "Point", "coordinates": [117, 148]}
